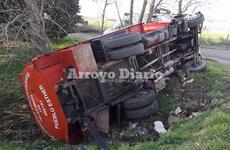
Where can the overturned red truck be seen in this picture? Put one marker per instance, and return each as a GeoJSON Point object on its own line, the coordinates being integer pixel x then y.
{"type": "Point", "coordinates": [65, 104]}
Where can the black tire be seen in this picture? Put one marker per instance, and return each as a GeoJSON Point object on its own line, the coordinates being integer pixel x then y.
{"type": "Point", "coordinates": [202, 66]}
{"type": "Point", "coordinates": [155, 37]}
{"type": "Point", "coordinates": [194, 21]}
{"type": "Point", "coordinates": [143, 112]}
{"type": "Point", "coordinates": [140, 100]}
{"type": "Point", "coordinates": [112, 35]}
{"type": "Point", "coordinates": [126, 52]}
{"type": "Point", "coordinates": [122, 41]}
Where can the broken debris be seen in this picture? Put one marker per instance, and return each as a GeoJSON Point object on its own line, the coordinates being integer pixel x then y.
{"type": "Point", "coordinates": [194, 114]}
{"type": "Point", "coordinates": [159, 127]}
{"type": "Point", "coordinates": [178, 110]}
{"type": "Point", "coordinates": [187, 82]}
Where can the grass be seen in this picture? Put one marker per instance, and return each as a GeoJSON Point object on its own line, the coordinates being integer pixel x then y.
{"type": "Point", "coordinates": [62, 43]}
{"type": "Point", "coordinates": [11, 64]}
{"type": "Point", "coordinates": [96, 22]}
{"type": "Point", "coordinates": [215, 40]}
{"type": "Point", "coordinates": [209, 130]}
{"type": "Point", "coordinates": [205, 86]}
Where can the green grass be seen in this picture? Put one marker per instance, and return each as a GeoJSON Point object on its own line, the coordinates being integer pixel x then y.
{"type": "Point", "coordinates": [96, 22]}
{"type": "Point", "coordinates": [205, 86]}
{"type": "Point", "coordinates": [210, 130]}
{"type": "Point", "coordinates": [10, 65]}
{"type": "Point", "coordinates": [62, 43]}
{"type": "Point", "coordinates": [215, 40]}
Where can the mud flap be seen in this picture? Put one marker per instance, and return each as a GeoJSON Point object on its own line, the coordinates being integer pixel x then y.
{"type": "Point", "coordinates": [93, 131]}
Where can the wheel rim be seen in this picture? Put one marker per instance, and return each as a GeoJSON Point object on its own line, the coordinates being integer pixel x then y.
{"type": "Point", "coordinates": [191, 17]}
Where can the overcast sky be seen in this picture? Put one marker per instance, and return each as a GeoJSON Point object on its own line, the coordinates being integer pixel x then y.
{"type": "Point", "coordinates": [219, 11]}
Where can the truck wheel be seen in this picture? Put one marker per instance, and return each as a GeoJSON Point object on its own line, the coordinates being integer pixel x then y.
{"type": "Point", "coordinates": [202, 66]}
{"type": "Point", "coordinates": [126, 52]}
{"type": "Point", "coordinates": [121, 41]}
{"type": "Point", "coordinates": [143, 112]}
{"type": "Point", "coordinates": [112, 35]}
{"type": "Point", "coordinates": [140, 100]}
{"type": "Point", "coordinates": [155, 37]}
{"type": "Point", "coordinates": [194, 19]}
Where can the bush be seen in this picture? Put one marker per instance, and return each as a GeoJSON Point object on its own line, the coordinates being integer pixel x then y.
{"type": "Point", "coordinates": [60, 16]}
{"type": "Point", "coordinates": [63, 15]}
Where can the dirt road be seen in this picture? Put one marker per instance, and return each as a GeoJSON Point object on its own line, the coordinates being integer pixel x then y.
{"type": "Point", "coordinates": [83, 35]}
{"type": "Point", "coordinates": [221, 56]}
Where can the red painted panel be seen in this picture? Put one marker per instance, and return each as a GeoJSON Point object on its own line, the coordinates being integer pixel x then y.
{"type": "Point", "coordinates": [45, 105]}
{"type": "Point", "coordinates": [150, 27]}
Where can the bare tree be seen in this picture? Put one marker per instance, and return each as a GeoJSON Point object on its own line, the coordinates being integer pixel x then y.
{"type": "Point", "coordinates": [31, 20]}
{"type": "Point", "coordinates": [131, 12]}
{"type": "Point", "coordinates": [151, 10]}
{"type": "Point", "coordinates": [142, 11]}
{"type": "Point", "coordinates": [118, 13]}
{"type": "Point", "coordinates": [154, 4]}
{"type": "Point", "coordinates": [184, 5]}
{"type": "Point", "coordinates": [180, 7]}
{"type": "Point", "coordinates": [107, 3]}
{"type": "Point", "coordinates": [37, 33]}
{"type": "Point", "coordinates": [159, 3]}
{"type": "Point", "coordinates": [28, 23]}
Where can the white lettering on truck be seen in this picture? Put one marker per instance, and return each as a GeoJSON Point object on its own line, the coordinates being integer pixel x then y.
{"type": "Point", "coordinates": [50, 105]}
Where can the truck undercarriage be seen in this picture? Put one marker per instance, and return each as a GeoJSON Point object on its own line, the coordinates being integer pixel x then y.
{"type": "Point", "coordinates": [79, 87]}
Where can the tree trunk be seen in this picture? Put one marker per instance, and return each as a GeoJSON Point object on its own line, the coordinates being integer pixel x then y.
{"type": "Point", "coordinates": [180, 12]}
{"type": "Point", "coordinates": [142, 11]}
{"type": "Point", "coordinates": [131, 12]}
{"type": "Point", "coordinates": [118, 13]}
{"type": "Point", "coordinates": [158, 4]}
{"type": "Point", "coordinates": [37, 33]}
{"type": "Point", "coordinates": [103, 15]}
{"type": "Point", "coordinates": [151, 10]}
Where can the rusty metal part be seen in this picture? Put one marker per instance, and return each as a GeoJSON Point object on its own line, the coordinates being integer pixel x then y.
{"type": "Point", "coordinates": [168, 72]}
{"type": "Point", "coordinates": [162, 43]}
{"type": "Point", "coordinates": [168, 64]}
{"type": "Point", "coordinates": [84, 58]}
{"type": "Point", "coordinates": [157, 59]}
{"type": "Point", "coordinates": [133, 62]}
{"type": "Point", "coordinates": [159, 81]}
